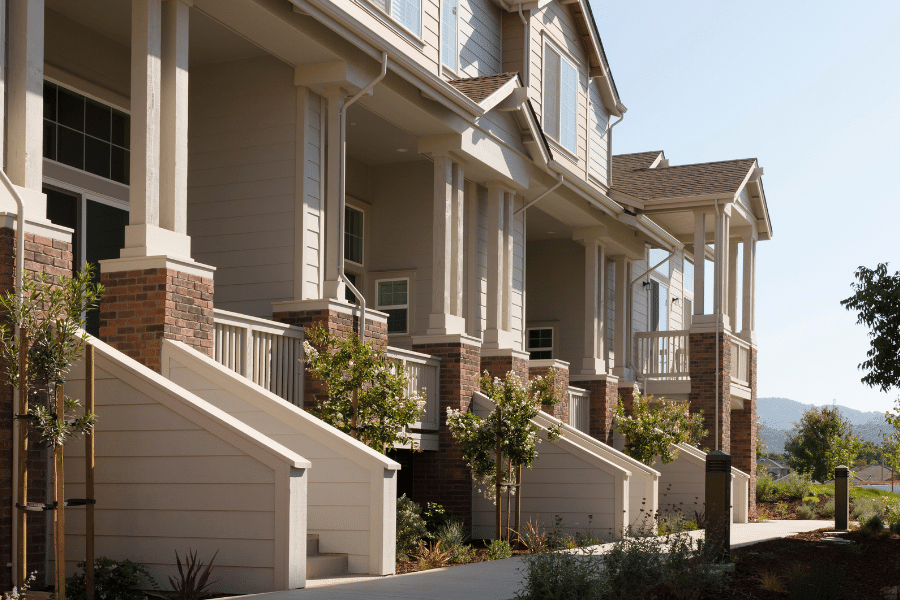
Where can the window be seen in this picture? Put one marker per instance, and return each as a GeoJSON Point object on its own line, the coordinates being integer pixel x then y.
{"type": "Point", "coordinates": [393, 299]}
{"type": "Point", "coordinates": [540, 343]}
{"type": "Point", "coordinates": [85, 134]}
{"type": "Point", "coordinates": [560, 98]}
{"type": "Point", "coordinates": [449, 54]}
{"type": "Point", "coordinates": [353, 235]}
{"type": "Point", "coordinates": [349, 296]}
{"type": "Point", "coordinates": [406, 12]}
{"type": "Point", "coordinates": [688, 277]}
{"type": "Point", "coordinates": [655, 255]}
{"type": "Point", "coordinates": [659, 306]}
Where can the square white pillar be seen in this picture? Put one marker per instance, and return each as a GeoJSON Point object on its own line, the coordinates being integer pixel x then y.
{"type": "Point", "coordinates": [732, 282]}
{"type": "Point", "coordinates": [333, 287]}
{"type": "Point", "coordinates": [174, 116]}
{"type": "Point", "coordinates": [622, 310]}
{"type": "Point", "coordinates": [24, 83]}
{"type": "Point", "coordinates": [594, 362]}
{"type": "Point", "coordinates": [499, 267]}
{"type": "Point", "coordinates": [446, 281]}
{"type": "Point", "coordinates": [748, 317]}
{"type": "Point", "coordinates": [699, 262]}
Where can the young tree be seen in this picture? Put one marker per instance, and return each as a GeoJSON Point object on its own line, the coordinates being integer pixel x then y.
{"type": "Point", "coordinates": [655, 426]}
{"type": "Point", "coordinates": [820, 441]}
{"type": "Point", "coordinates": [368, 395]}
{"type": "Point", "coordinates": [876, 300]}
{"type": "Point", "coordinates": [890, 442]}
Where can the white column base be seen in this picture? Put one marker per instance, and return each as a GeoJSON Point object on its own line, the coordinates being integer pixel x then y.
{"type": "Point", "coordinates": [445, 324]}
{"type": "Point", "coordinates": [149, 240]}
{"type": "Point", "coordinates": [35, 203]}
{"type": "Point", "coordinates": [593, 366]}
{"type": "Point", "coordinates": [749, 336]}
{"type": "Point", "coordinates": [497, 339]}
{"type": "Point", "coordinates": [334, 290]}
{"type": "Point", "coordinates": [623, 374]}
{"type": "Point", "coordinates": [707, 324]}
{"type": "Point", "coordinates": [141, 263]}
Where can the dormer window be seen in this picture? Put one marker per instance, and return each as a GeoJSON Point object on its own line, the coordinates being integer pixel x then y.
{"type": "Point", "coordinates": [560, 98]}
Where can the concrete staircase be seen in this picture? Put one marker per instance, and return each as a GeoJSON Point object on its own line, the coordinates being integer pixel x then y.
{"type": "Point", "coordinates": [323, 566]}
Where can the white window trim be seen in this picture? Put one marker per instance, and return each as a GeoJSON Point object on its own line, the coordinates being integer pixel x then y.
{"type": "Point", "coordinates": [528, 347]}
{"type": "Point", "coordinates": [347, 261]}
{"type": "Point", "coordinates": [444, 67]}
{"type": "Point", "coordinates": [563, 55]}
{"type": "Point", "coordinates": [379, 306]}
{"type": "Point", "coordinates": [392, 22]}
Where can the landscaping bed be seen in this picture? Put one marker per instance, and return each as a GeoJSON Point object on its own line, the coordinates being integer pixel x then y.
{"type": "Point", "coordinates": [479, 554]}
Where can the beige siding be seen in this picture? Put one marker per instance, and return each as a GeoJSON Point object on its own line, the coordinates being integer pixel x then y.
{"type": "Point", "coordinates": [598, 156]}
{"type": "Point", "coordinates": [310, 164]}
{"type": "Point", "coordinates": [422, 47]}
{"type": "Point", "coordinates": [241, 186]}
{"type": "Point", "coordinates": [513, 44]}
{"type": "Point", "coordinates": [640, 309]}
{"type": "Point", "coordinates": [517, 297]}
{"type": "Point", "coordinates": [676, 290]}
{"type": "Point", "coordinates": [610, 298]}
{"type": "Point", "coordinates": [481, 262]}
{"type": "Point", "coordinates": [479, 38]}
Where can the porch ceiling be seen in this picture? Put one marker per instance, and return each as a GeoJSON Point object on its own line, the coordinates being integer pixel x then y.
{"type": "Point", "coordinates": [374, 141]}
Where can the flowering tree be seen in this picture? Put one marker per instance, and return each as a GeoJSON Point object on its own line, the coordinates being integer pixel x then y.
{"type": "Point", "coordinates": [655, 426]}
{"type": "Point", "coordinates": [368, 395]}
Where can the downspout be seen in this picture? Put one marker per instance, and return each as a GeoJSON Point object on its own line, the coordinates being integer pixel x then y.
{"type": "Point", "coordinates": [342, 197]}
{"type": "Point", "coordinates": [622, 109]}
{"type": "Point", "coordinates": [718, 309]}
{"type": "Point", "coordinates": [526, 33]}
{"type": "Point", "coordinates": [542, 195]}
{"type": "Point", "coordinates": [20, 270]}
{"type": "Point", "coordinates": [653, 268]}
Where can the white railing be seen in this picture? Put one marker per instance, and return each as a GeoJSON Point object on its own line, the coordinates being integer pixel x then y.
{"type": "Point", "coordinates": [266, 352]}
{"type": "Point", "coordinates": [423, 372]}
{"type": "Point", "coordinates": [740, 362]}
{"type": "Point", "coordinates": [662, 355]}
{"type": "Point", "coordinates": [579, 409]}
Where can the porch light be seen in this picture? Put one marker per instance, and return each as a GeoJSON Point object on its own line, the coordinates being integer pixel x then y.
{"type": "Point", "coordinates": [675, 301]}
{"type": "Point", "coordinates": [645, 283]}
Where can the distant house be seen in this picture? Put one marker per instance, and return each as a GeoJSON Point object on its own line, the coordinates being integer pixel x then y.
{"type": "Point", "coordinates": [874, 473]}
{"type": "Point", "coordinates": [773, 468]}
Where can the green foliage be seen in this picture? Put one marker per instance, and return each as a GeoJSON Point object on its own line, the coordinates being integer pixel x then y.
{"type": "Point", "coordinates": [410, 525]}
{"type": "Point", "coordinates": [113, 580]}
{"type": "Point", "coordinates": [822, 440]}
{"type": "Point", "coordinates": [869, 454]}
{"type": "Point", "coordinates": [562, 575]}
{"type": "Point", "coordinates": [498, 549]}
{"type": "Point", "coordinates": [862, 509]}
{"type": "Point", "coordinates": [52, 311]}
{"type": "Point", "coordinates": [432, 556]}
{"type": "Point", "coordinates": [813, 500]}
{"type": "Point", "coordinates": [436, 516]}
{"type": "Point", "coordinates": [873, 524]}
{"type": "Point", "coordinates": [518, 404]}
{"type": "Point", "coordinates": [654, 426]}
{"type": "Point", "coordinates": [676, 522]}
{"type": "Point", "coordinates": [452, 533]}
{"type": "Point", "coordinates": [805, 512]}
{"type": "Point", "coordinates": [827, 510]}
{"type": "Point", "coordinates": [891, 509]}
{"type": "Point", "coordinates": [384, 407]}
{"type": "Point", "coordinates": [890, 442]}
{"type": "Point", "coordinates": [876, 300]}
{"type": "Point", "coordinates": [193, 580]}
{"type": "Point", "coordinates": [765, 488]}
{"type": "Point", "coordinates": [461, 554]}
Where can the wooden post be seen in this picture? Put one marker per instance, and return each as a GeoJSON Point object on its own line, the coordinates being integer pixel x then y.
{"type": "Point", "coordinates": [22, 466]}
{"type": "Point", "coordinates": [59, 489]}
{"type": "Point", "coordinates": [499, 469]}
{"type": "Point", "coordinates": [518, 520]}
{"type": "Point", "coordinates": [89, 477]}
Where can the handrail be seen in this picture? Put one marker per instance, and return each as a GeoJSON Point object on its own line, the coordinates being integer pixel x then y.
{"type": "Point", "coordinates": [579, 412]}
{"type": "Point", "coordinates": [423, 371]}
{"type": "Point", "coordinates": [662, 355]}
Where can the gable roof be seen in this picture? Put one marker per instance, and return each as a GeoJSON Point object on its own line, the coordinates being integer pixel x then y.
{"type": "Point", "coordinates": [723, 178]}
{"type": "Point", "coordinates": [633, 162]}
{"type": "Point", "coordinates": [478, 89]}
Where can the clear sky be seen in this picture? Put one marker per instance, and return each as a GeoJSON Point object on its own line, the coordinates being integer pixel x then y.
{"type": "Point", "coordinates": [812, 90]}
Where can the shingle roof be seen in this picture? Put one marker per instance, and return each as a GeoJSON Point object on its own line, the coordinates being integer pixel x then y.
{"type": "Point", "coordinates": [480, 88]}
{"type": "Point", "coordinates": [632, 162]}
{"type": "Point", "coordinates": [684, 181]}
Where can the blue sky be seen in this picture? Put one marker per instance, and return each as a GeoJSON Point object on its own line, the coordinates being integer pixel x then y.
{"type": "Point", "coordinates": [811, 89]}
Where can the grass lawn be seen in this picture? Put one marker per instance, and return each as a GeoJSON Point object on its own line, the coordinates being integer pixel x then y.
{"type": "Point", "coordinates": [856, 492]}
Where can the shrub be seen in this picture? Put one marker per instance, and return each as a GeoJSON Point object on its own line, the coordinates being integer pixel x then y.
{"type": "Point", "coordinates": [818, 583]}
{"type": "Point", "coordinates": [634, 567]}
{"type": "Point", "coordinates": [812, 500]}
{"type": "Point", "coordinates": [535, 537]}
{"type": "Point", "coordinates": [192, 582]}
{"type": "Point", "coordinates": [497, 549]}
{"type": "Point", "coordinates": [674, 523]}
{"type": "Point", "coordinates": [461, 554]}
{"type": "Point", "coordinates": [805, 512]}
{"type": "Point", "coordinates": [864, 508]}
{"type": "Point", "coordinates": [827, 510]}
{"type": "Point", "coordinates": [690, 570]}
{"type": "Point", "coordinates": [891, 510]}
{"type": "Point", "coordinates": [431, 556]}
{"type": "Point", "coordinates": [562, 576]}
{"type": "Point", "coordinates": [770, 581]}
{"type": "Point", "coordinates": [874, 524]}
{"type": "Point", "coordinates": [435, 516]}
{"type": "Point", "coordinates": [795, 486]}
{"type": "Point", "coordinates": [410, 525]}
{"type": "Point", "coordinates": [113, 580]}
{"type": "Point", "coordinates": [765, 488]}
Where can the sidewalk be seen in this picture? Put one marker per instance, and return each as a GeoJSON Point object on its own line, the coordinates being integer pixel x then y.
{"type": "Point", "coordinates": [491, 580]}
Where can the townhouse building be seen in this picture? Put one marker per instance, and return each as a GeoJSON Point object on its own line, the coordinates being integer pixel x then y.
{"type": "Point", "coordinates": [439, 174]}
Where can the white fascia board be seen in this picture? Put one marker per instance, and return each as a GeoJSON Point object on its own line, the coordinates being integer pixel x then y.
{"type": "Point", "coordinates": [500, 95]}
{"type": "Point", "coordinates": [626, 199]}
{"type": "Point", "coordinates": [657, 233]}
{"type": "Point", "coordinates": [576, 183]}
{"type": "Point", "coordinates": [607, 90]}
{"type": "Point", "coordinates": [526, 113]}
{"type": "Point", "coordinates": [330, 15]}
{"type": "Point", "coordinates": [704, 202]}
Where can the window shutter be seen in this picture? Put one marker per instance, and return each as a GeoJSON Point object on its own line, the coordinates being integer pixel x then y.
{"type": "Point", "coordinates": [551, 93]}
{"type": "Point", "coordinates": [568, 105]}
{"type": "Point", "coordinates": [448, 33]}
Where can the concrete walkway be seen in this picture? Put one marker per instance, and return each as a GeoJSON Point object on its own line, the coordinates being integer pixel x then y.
{"type": "Point", "coordinates": [491, 580]}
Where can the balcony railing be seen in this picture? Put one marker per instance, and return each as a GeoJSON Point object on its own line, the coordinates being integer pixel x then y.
{"type": "Point", "coordinates": [740, 362]}
{"type": "Point", "coordinates": [579, 409]}
{"type": "Point", "coordinates": [423, 371]}
{"type": "Point", "coordinates": [265, 352]}
{"type": "Point", "coordinates": [661, 355]}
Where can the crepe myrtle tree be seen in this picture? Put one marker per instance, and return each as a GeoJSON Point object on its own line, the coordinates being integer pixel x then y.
{"type": "Point", "coordinates": [368, 392]}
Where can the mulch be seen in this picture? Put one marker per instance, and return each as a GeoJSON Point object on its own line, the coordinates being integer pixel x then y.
{"type": "Point", "coordinates": [411, 566]}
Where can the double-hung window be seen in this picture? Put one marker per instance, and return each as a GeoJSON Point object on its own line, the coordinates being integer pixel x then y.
{"type": "Point", "coordinates": [393, 298]}
{"type": "Point", "coordinates": [560, 98]}
{"type": "Point", "coordinates": [353, 235]}
{"type": "Point", "coordinates": [449, 35]}
{"type": "Point", "coordinates": [406, 12]}
{"type": "Point", "coordinates": [540, 343]}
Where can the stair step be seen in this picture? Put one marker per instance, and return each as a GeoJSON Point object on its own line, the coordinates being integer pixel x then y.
{"type": "Point", "coordinates": [312, 544]}
{"type": "Point", "coordinates": [324, 566]}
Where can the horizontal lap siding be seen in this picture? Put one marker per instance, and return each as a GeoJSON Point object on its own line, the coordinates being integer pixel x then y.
{"type": "Point", "coordinates": [640, 294]}
{"type": "Point", "coordinates": [313, 192]}
{"type": "Point", "coordinates": [479, 38]}
{"type": "Point", "coordinates": [241, 185]}
{"type": "Point", "coordinates": [682, 486]}
{"type": "Point", "coordinates": [338, 495]}
{"type": "Point", "coordinates": [481, 261]}
{"type": "Point", "coordinates": [517, 297]}
{"type": "Point", "coordinates": [676, 290]}
{"type": "Point", "coordinates": [598, 157]}
{"type": "Point", "coordinates": [610, 295]}
{"type": "Point", "coordinates": [164, 484]}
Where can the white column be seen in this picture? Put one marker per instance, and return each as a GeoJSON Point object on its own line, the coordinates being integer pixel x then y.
{"type": "Point", "coordinates": [749, 291]}
{"type": "Point", "coordinates": [732, 283]}
{"type": "Point", "coordinates": [623, 279]}
{"type": "Point", "coordinates": [699, 262]}
{"type": "Point", "coordinates": [457, 241]}
{"type": "Point", "coordinates": [333, 287]}
{"type": "Point", "coordinates": [146, 50]}
{"type": "Point", "coordinates": [721, 266]}
{"type": "Point", "coordinates": [594, 332]}
{"type": "Point", "coordinates": [508, 250]}
{"type": "Point", "coordinates": [24, 81]}
{"type": "Point", "coordinates": [446, 256]}
{"type": "Point", "coordinates": [174, 116]}
{"type": "Point", "coordinates": [496, 334]}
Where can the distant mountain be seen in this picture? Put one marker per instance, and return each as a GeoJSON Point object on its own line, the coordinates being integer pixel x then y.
{"type": "Point", "coordinates": [778, 415]}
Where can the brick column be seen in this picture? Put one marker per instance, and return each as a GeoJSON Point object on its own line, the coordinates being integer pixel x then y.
{"type": "Point", "coordinates": [604, 394]}
{"type": "Point", "coordinates": [560, 371]}
{"type": "Point", "coordinates": [444, 476]}
{"type": "Point", "coordinates": [144, 305]}
{"type": "Point", "coordinates": [703, 386]}
{"type": "Point", "coordinates": [50, 256]}
{"type": "Point", "coordinates": [500, 362]}
{"type": "Point", "coordinates": [743, 433]}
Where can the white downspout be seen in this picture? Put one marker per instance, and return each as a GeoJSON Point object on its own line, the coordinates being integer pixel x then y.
{"type": "Point", "coordinates": [718, 309]}
{"type": "Point", "coordinates": [542, 195]}
{"type": "Point", "coordinates": [342, 198]}
{"type": "Point", "coordinates": [526, 32]}
{"type": "Point", "coordinates": [622, 109]}
{"type": "Point", "coordinates": [20, 270]}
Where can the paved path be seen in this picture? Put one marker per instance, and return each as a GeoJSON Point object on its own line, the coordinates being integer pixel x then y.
{"type": "Point", "coordinates": [491, 580]}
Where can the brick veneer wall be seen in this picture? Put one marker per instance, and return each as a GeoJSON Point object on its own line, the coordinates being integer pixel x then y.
{"type": "Point", "coordinates": [499, 366]}
{"type": "Point", "coordinates": [743, 433]}
{"type": "Point", "coordinates": [560, 410]}
{"type": "Point", "coordinates": [143, 307]}
{"type": "Point", "coordinates": [340, 324]}
{"type": "Point", "coordinates": [703, 386]}
{"type": "Point", "coordinates": [604, 394]}
{"type": "Point", "coordinates": [51, 257]}
{"type": "Point", "coordinates": [444, 476]}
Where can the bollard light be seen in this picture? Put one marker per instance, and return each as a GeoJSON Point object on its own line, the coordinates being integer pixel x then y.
{"type": "Point", "coordinates": [841, 498]}
{"type": "Point", "coordinates": [718, 503]}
